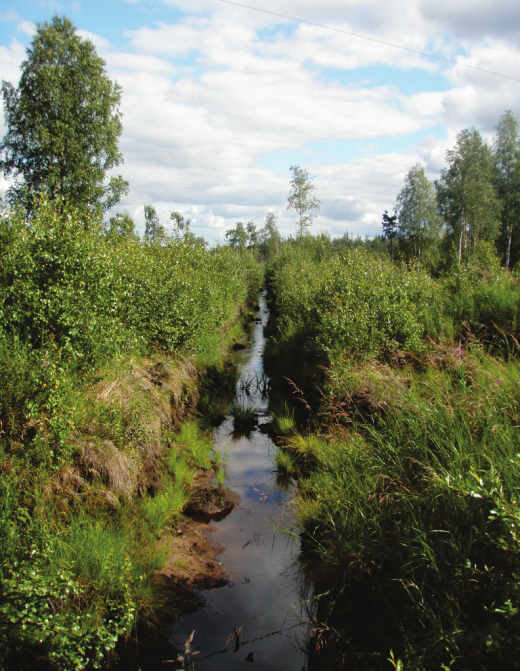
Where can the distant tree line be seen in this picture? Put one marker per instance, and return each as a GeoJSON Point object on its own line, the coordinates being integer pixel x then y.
{"type": "Point", "coordinates": [474, 206]}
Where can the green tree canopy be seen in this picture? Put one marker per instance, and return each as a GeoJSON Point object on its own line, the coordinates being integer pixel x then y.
{"type": "Point", "coordinates": [466, 193]}
{"type": "Point", "coordinates": [419, 223]}
{"type": "Point", "coordinates": [121, 226]}
{"type": "Point", "coordinates": [300, 198]}
{"type": "Point", "coordinates": [507, 163]}
{"type": "Point", "coordinates": [252, 234]}
{"type": "Point", "coordinates": [238, 236]}
{"type": "Point", "coordinates": [154, 231]}
{"type": "Point", "coordinates": [390, 229]}
{"type": "Point", "coordinates": [63, 122]}
{"type": "Point", "coordinates": [269, 236]}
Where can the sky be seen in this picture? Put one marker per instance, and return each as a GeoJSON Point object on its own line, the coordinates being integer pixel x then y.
{"type": "Point", "coordinates": [220, 99]}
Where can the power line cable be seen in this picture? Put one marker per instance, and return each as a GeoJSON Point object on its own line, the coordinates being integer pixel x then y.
{"type": "Point", "coordinates": [370, 39]}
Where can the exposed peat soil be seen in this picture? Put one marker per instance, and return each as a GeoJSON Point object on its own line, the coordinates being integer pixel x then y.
{"type": "Point", "coordinates": [250, 617]}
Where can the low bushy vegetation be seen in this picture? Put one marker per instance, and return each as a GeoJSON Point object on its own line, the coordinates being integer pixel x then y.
{"type": "Point", "coordinates": [352, 301]}
{"type": "Point", "coordinates": [103, 343]}
{"type": "Point", "coordinates": [409, 470]}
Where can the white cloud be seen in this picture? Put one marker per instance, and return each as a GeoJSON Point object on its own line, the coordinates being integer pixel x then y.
{"type": "Point", "coordinates": [475, 18]}
{"type": "Point", "coordinates": [10, 60]}
{"type": "Point", "coordinates": [207, 97]}
{"type": "Point", "coordinates": [101, 44]}
{"type": "Point", "coordinates": [169, 39]}
{"type": "Point", "coordinates": [197, 137]}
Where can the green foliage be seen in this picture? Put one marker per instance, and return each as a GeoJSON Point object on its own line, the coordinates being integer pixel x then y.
{"type": "Point", "coordinates": [78, 311]}
{"type": "Point", "coordinates": [419, 223]}
{"type": "Point", "coordinates": [507, 181]}
{"type": "Point", "coordinates": [420, 497]}
{"type": "Point", "coordinates": [284, 422]}
{"type": "Point", "coordinates": [195, 446]}
{"type": "Point", "coordinates": [165, 506]}
{"type": "Point", "coordinates": [74, 581]}
{"type": "Point", "coordinates": [237, 237]}
{"type": "Point", "coordinates": [355, 301]}
{"type": "Point", "coordinates": [269, 238]}
{"type": "Point", "coordinates": [409, 497]}
{"type": "Point", "coordinates": [467, 197]}
{"type": "Point", "coordinates": [284, 462]}
{"type": "Point", "coordinates": [484, 299]}
{"type": "Point", "coordinates": [300, 198]}
{"type": "Point", "coordinates": [390, 229]}
{"type": "Point", "coordinates": [477, 199]}
{"type": "Point", "coordinates": [68, 592]}
{"type": "Point", "coordinates": [63, 122]}
{"type": "Point", "coordinates": [64, 285]}
{"type": "Point", "coordinates": [154, 230]}
{"type": "Point", "coordinates": [121, 226]}
{"type": "Point", "coordinates": [58, 285]}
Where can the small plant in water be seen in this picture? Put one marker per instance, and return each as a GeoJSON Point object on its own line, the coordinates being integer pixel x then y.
{"type": "Point", "coordinates": [244, 419]}
{"type": "Point", "coordinates": [242, 414]}
{"type": "Point", "coordinates": [185, 659]}
{"type": "Point", "coordinates": [284, 462]}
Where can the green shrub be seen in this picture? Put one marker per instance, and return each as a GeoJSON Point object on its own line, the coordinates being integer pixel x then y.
{"type": "Point", "coordinates": [354, 301]}
{"type": "Point", "coordinates": [422, 500]}
{"type": "Point", "coordinates": [74, 579]}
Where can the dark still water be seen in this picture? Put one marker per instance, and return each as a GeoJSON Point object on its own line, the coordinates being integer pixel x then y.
{"type": "Point", "coordinates": [259, 612]}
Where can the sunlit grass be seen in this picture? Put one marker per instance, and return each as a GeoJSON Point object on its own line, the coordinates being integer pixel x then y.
{"type": "Point", "coordinates": [425, 499]}
{"type": "Point", "coordinates": [165, 506]}
{"type": "Point", "coordinates": [284, 462]}
{"type": "Point", "coordinates": [194, 445]}
{"type": "Point", "coordinates": [285, 422]}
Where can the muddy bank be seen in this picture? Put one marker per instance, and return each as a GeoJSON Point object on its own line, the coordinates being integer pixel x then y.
{"type": "Point", "coordinates": [231, 587]}
{"type": "Point", "coordinates": [256, 618]}
{"type": "Point", "coordinates": [120, 439]}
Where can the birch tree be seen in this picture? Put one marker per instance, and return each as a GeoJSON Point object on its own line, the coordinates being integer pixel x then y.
{"type": "Point", "coordinates": [301, 198]}
{"type": "Point", "coordinates": [466, 194]}
{"type": "Point", "coordinates": [63, 123]}
{"type": "Point", "coordinates": [507, 162]}
{"type": "Point", "coordinates": [419, 222]}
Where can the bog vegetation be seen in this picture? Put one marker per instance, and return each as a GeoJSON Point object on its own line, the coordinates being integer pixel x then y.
{"type": "Point", "coordinates": [402, 350]}
{"type": "Point", "coordinates": [409, 468]}
{"type": "Point", "coordinates": [102, 346]}
{"type": "Point", "coordinates": [104, 341]}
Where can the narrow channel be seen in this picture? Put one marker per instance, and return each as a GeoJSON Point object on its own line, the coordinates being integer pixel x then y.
{"type": "Point", "coordinates": [258, 612]}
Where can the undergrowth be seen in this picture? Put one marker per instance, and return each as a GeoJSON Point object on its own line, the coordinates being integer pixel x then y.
{"type": "Point", "coordinates": [409, 471]}
{"type": "Point", "coordinates": [103, 344]}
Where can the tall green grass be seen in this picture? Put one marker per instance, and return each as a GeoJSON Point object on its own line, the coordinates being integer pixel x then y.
{"type": "Point", "coordinates": [73, 581]}
{"type": "Point", "coordinates": [195, 445]}
{"type": "Point", "coordinates": [165, 506]}
{"type": "Point", "coordinates": [408, 495]}
{"type": "Point", "coordinates": [421, 502]}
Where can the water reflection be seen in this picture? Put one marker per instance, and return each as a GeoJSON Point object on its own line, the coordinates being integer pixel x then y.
{"type": "Point", "coordinates": [255, 621]}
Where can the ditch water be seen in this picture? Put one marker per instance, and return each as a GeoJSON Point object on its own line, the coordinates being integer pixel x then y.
{"type": "Point", "coordinates": [258, 612]}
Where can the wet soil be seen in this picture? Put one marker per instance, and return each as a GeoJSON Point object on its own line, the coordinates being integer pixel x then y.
{"type": "Point", "coordinates": [231, 568]}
